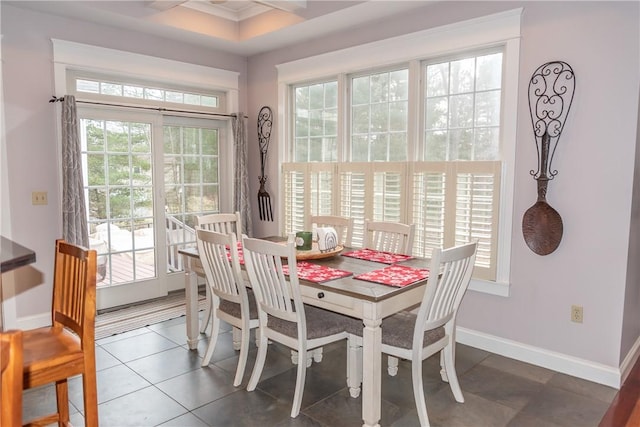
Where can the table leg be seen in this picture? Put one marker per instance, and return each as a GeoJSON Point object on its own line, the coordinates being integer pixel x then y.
{"type": "Point", "coordinates": [371, 376]}
{"type": "Point", "coordinates": [191, 295]}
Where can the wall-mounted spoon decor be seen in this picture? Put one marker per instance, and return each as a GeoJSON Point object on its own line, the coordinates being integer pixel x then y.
{"type": "Point", "coordinates": [551, 92]}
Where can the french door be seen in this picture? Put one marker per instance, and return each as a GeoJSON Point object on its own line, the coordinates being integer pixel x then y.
{"type": "Point", "coordinates": [147, 177]}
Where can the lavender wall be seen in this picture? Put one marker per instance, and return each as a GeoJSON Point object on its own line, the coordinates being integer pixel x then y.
{"type": "Point", "coordinates": [31, 142]}
{"type": "Point", "coordinates": [592, 192]}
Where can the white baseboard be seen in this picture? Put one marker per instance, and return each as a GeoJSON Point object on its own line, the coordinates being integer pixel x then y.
{"type": "Point", "coordinates": [602, 374]}
{"type": "Point", "coordinates": [33, 322]}
{"type": "Point", "coordinates": [630, 360]}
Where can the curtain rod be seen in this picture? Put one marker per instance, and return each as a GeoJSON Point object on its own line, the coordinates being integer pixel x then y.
{"type": "Point", "coordinates": [160, 109]}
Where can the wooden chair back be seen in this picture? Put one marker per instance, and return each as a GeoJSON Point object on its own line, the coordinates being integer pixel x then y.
{"type": "Point", "coordinates": [11, 379]}
{"type": "Point", "coordinates": [343, 226]}
{"type": "Point", "coordinates": [394, 237]}
{"type": "Point", "coordinates": [74, 291]}
{"type": "Point", "coordinates": [67, 348]}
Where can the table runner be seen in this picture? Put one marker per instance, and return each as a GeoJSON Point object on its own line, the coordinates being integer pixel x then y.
{"type": "Point", "coordinates": [395, 275]}
{"type": "Point", "coordinates": [377, 256]}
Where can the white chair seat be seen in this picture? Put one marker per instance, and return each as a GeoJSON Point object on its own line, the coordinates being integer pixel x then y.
{"type": "Point", "coordinates": [234, 309]}
{"type": "Point", "coordinates": [320, 323]}
{"type": "Point", "coordinates": [397, 331]}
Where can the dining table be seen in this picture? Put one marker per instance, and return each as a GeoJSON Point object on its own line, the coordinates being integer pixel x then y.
{"type": "Point", "coordinates": [350, 295]}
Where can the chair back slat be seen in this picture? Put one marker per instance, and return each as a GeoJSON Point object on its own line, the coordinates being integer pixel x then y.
{"type": "Point", "coordinates": [74, 289]}
{"type": "Point", "coordinates": [277, 294]}
{"type": "Point", "coordinates": [391, 237]}
{"type": "Point", "coordinates": [221, 264]}
{"type": "Point", "coordinates": [445, 290]}
{"type": "Point", "coordinates": [342, 225]}
{"type": "Point", "coordinates": [224, 223]}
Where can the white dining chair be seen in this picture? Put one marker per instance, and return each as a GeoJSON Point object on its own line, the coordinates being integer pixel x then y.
{"type": "Point", "coordinates": [415, 337]}
{"type": "Point", "coordinates": [394, 237]}
{"type": "Point", "coordinates": [283, 316]}
{"type": "Point", "coordinates": [224, 223]}
{"type": "Point", "coordinates": [342, 225]}
{"type": "Point", "coordinates": [232, 301]}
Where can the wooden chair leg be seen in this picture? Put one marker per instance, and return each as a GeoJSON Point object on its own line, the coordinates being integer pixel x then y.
{"type": "Point", "coordinates": [62, 402]}
{"type": "Point", "coordinates": [90, 390]}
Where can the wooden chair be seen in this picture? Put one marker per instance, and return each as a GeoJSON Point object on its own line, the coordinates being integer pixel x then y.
{"type": "Point", "coordinates": [67, 348]}
{"type": "Point", "coordinates": [232, 302]}
{"type": "Point", "coordinates": [283, 316]}
{"type": "Point", "coordinates": [416, 337]}
{"type": "Point", "coordinates": [343, 226]}
{"type": "Point", "coordinates": [11, 354]}
{"type": "Point", "coordinates": [386, 236]}
{"type": "Point", "coordinates": [224, 223]}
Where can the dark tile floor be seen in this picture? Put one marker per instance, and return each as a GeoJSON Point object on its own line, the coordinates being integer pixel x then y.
{"type": "Point", "coordinates": [148, 377]}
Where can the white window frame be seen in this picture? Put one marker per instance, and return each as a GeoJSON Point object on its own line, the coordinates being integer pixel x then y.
{"type": "Point", "coordinates": [501, 29]}
{"type": "Point", "coordinates": [72, 58]}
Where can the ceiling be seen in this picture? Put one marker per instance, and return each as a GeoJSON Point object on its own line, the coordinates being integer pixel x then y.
{"type": "Point", "coordinates": [237, 26]}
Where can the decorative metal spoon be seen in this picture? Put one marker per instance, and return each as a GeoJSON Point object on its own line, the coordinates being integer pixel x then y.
{"type": "Point", "coordinates": [551, 92]}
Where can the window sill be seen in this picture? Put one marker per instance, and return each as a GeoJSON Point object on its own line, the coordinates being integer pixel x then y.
{"type": "Point", "coordinates": [493, 288]}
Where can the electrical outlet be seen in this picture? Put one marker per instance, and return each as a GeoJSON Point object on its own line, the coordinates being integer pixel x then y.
{"type": "Point", "coordinates": [39, 198]}
{"type": "Point", "coordinates": [576, 313]}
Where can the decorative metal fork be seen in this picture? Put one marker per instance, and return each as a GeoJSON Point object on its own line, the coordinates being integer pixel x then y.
{"type": "Point", "coordinates": [265, 121]}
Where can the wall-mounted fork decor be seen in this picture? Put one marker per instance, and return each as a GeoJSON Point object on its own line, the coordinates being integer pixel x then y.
{"type": "Point", "coordinates": [265, 122]}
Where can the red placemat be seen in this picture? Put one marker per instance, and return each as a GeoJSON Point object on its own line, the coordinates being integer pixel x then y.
{"type": "Point", "coordinates": [395, 275]}
{"type": "Point", "coordinates": [240, 254]}
{"type": "Point", "coordinates": [317, 273]}
{"type": "Point", "coordinates": [377, 256]}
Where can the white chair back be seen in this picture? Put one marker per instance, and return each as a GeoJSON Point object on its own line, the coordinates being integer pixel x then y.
{"type": "Point", "coordinates": [393, 237]}
{"type": "Point", "coordinates": [450, 274]}
{"type": "Point", "coordinates": [342, 225]}
{"type": "Point", "coordinates": [224, 223]}
{"type": "Point", "coordinates": [223, 272]}
{"type": "Point", "coordinates": [276, 294]}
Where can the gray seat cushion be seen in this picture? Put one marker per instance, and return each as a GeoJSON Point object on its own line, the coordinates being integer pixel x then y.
{"type": "Point", "coordinates": [397, 331]}
{"type": "Point", "coordinates": [320, 323]}
{"type": "Point", "coordinates": [233, 308]}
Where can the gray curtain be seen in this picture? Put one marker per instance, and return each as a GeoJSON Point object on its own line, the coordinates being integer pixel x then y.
{"type": "Point", "coordinates": [74, 219]}
{"type": "Point", "coordinates": [241, 173]}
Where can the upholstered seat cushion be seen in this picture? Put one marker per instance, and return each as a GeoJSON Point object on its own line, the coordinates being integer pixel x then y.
{"type": "Point", "coordinates": [233, 308]}
{"type": "Point", "coordinates": [397, 331]}
{"type": "Point", "coordinates": [320, 323]}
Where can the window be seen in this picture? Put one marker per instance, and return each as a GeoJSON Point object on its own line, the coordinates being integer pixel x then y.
{"type": "Point", "coordinates": [94, 86]}
{"type": "Point", "coordinates": [154, 158]}
{"type": "Point", "coordinates": [427, 141]}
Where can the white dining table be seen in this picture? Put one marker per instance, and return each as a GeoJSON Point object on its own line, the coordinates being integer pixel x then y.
{"type": "Point", "coordinates": [364, 300]}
